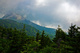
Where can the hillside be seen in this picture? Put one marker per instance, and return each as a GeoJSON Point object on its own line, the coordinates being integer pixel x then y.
{"type": "Point", "coordinates": [21, 19]}
{"type": "Point", "coordinates": [41, 28]}
{"type": "Point", "coordinates": [31, 31]}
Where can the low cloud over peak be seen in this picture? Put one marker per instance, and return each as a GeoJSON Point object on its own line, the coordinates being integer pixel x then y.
{"type": "Point", "coordinates": [49, 13]}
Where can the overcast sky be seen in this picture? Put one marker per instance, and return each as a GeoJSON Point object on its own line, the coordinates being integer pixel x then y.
{"type": "Point", "coordinates": [52, 12]}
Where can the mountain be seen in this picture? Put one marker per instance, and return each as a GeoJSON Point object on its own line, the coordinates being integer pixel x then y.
{"type": "Point", "coordinates": [21, 19]}
{"type": "Point", "coordinates": [13, 16]}
{"type": "Point", "coordinates": [31, 31]}
{"type": "Point", "coordinates": [41, 28]}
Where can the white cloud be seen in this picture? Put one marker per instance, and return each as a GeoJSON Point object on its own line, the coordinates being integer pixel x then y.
{"type": "Point", "coordinates": [37, 22]}
{"type": "Point", "coordinates": [69, 12]}
{"type": "Point", "coordinates": [1, 15]}
{"type": "Point", "coordinates": [40, 3]}
{"type": "Point", "coordinates": [51, 26]}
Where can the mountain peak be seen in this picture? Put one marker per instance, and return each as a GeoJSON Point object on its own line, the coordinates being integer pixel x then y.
{"type": "Point", "coordinates": [13, 16]}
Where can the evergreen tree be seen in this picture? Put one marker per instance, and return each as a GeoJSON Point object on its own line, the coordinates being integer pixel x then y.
{"type": "Point", "coordinates": [15, 41]}
{"type": "Point", "coordinates": [72, 31]}
{"type": "Point", "coordinates": [42, 40]}
{"type": "Point", "coordinates": [48, 41]}
{"type": "Point", "coordinates": [24, 27]}
{"type": "Point", "coordinates": [60, 33]}
{"type": "Point", "coordinates": [37, 36]}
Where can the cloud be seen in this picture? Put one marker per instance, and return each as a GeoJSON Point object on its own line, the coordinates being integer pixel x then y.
{"type": "Point", "coordinates": [37, 22]}
{"type": "Point", "coordinates": [40, 2]}
{"type": "Point", "coordinates": [69, 12]}
{"type": "Point", "coordinates": [1, 15]}
{"type": "Point", "coordinates": [9, 5]}
{"type": "Point", "coordinates": [48, 13]}
{"type": "Point", "coordinates": [74, 2]}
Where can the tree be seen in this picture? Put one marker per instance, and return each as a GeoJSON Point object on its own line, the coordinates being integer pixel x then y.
{"type": "Point", "coordinates": [60, 33]}
{"type": "Point", "coordinates": [42, 40]}
{"type": "Point", "coordinates": [72, 31]}
{"type": "Point", "coordinates": [48, 41]}
{"type": "Point", "coordinates": [37, 36]}
{"type": "Point", "coordinates": [23, 30]}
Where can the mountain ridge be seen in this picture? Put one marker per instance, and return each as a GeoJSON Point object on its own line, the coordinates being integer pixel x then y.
{"type": "Point", "coordinates": [21, 19]}
{"type": "Point", "coordinates": [49, 30]}
{"type": "Point", "coordinates": [14, 24]}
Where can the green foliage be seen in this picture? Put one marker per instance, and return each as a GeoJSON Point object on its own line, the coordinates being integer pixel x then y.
{"type": "Point", "coordinates": [31, 47]}
{"type": "Point", "coordinates": [46, 49]}
{"type": "Point", "coordinates": [31, 31]}
{"type": "Point", "coordinates": [45, 40]}
{"type": "Point", "coordinates": [72, 31]}
{"type": "Point", "coordinates": [17, 41]}
{"type": "Point", "coordinates": [37, 36]}
{"type": "Point", "coordinates": [60, 34]}
{"type": "Point", "coordinates": [48, 31]}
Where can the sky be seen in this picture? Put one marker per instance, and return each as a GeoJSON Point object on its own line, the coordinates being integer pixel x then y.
{"type": "Point", "coordinates": [48, 13]}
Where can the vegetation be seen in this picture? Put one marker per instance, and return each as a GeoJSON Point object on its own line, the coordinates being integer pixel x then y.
{"type": "Point", "coordinates": [49, 31]}
{"type": "Point", "coordinates": [17, 41]}
{"type": "Point", "coordinates": [7, 23]}
{"type": "Point", "coordinates": [31, 31]}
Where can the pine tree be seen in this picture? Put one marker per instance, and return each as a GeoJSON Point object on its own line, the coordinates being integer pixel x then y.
{"type": "Point", "coordinates": [60, 33]}
{"type": "Point", "coordinates": [42, 40]}
{"type": "Point", "coordinates": [37, 36]}
{"type": "Point", "coordinates": [48, 40]}
{"type": "Point", "coordinates": [23, 30]}
{"type": "Point", "coordinates": [72, 31]}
